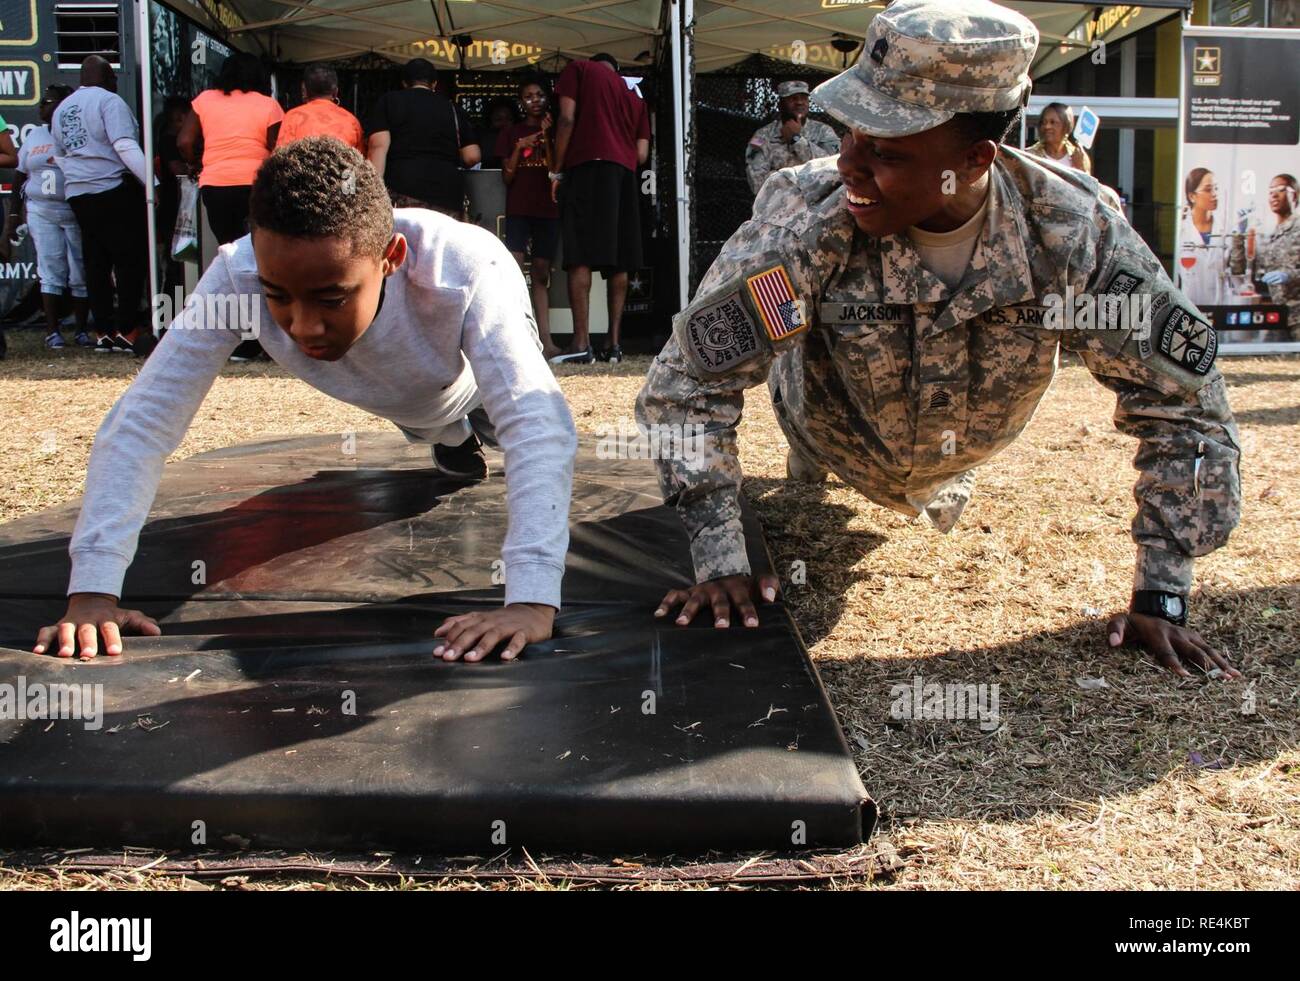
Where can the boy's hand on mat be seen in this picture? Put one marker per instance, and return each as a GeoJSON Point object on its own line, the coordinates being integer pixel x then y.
{"type": "Point", "coordinates": [1172, 646]}
{"type": "Point", "coordinates": [720, 595]}
{"type": "Point", "coordinates": [89, 616]}
{"type": "Point", "coordinates": [475, 635]}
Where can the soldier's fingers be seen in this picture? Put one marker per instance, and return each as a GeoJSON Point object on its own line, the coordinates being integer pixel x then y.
{"type": "Point", "coordinates": [43, 638]}
{"type": "Point", "coordinates": [112, 638]}
{"type": "Point", "coordinates": [1191, 654]}
{"type": "Point", "coordinates": [1221, 661]}
{"type": "Point", "coordinates": [721, 604]}
{"type": "Point", "coordinates": [769, 587]}
{"type": "Point", "coordinates": [517, 643]}
{"type": "Point", "coordinates": [693, 603]}
{"type": "Point", "coordinates": [671, 599]}
{"type": "Point", "coordinates": [67, 638]}
{"type": "Point", "coordinates": [454, 643]}
{"type": "Point", "coordinates": [744, 605]}
{"type": "Point", "coordinates": [1116, 629]}
{"type": "Point", "coordinates": [88, 638]}
{"type": "Point", "coordinates": [1160, 649]}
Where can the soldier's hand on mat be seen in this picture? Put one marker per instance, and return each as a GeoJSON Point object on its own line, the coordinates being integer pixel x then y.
{"type": "Point", "coordinates": [1172, 646]}
{"type": "Point", "coordinates": [90, 616]}
{"type": "Point", "coordinates": [476, 635]}
{"type": "Point", "coordinates": [719, 596]}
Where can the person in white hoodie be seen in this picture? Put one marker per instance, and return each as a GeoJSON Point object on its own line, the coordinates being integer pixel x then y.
{"type": "Point", "coordinates": [410, 315]}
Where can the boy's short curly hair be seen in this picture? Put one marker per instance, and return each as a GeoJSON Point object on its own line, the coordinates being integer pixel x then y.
{"type": "Point", "coordinates": [320, 187]}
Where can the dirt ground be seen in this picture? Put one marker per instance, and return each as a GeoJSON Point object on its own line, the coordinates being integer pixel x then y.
{"type": "Point", "coordinates": [1142, 782]}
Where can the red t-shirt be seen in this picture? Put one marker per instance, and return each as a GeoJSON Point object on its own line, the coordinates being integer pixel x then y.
{"type": "Point", "coordinates": [610, 116]}
{"type": "Point", "coordinates": [529, 196]}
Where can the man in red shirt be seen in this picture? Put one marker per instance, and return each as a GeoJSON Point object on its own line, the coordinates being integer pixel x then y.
{"type": "Point", "coordinates": [602, 136]}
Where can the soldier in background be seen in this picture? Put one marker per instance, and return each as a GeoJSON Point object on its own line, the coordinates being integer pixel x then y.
{"type": "Point", "coordinates": [897, 299]}
{"type": "Point", "coordinates": [790, 139]}
{"type": "Point", "coordinates": [1279, 252]}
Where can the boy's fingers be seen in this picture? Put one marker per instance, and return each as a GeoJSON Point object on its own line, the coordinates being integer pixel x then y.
{"type": "Point", "coordinates": [67, 638]}
{"type": "Point", "coordinates": [43, 638]}
{"type": "Point", "coordinates": [112, 638]}
{"type": "Point", "coordinates": [484, 645]}
{"type": "Point", "coordinates": [88, 638]}
{"type": "Point", "coordinates": [516, 645]}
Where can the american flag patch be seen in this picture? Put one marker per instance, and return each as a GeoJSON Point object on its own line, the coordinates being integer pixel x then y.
{"type": "Point", "coordinates": [781, 312]}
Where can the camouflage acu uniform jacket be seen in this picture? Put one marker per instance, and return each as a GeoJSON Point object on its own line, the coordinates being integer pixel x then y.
{"type": "Point", "coordinates": [883, 376]}
{"type": "Point", "coordinates": [765, 153]}
{"type": "Point", "coordinates": [1281, 250]}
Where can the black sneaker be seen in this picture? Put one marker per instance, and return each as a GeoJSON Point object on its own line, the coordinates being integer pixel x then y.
{"type": "Point", "coordinates": [463, 462]}
{"type": "Point", "coordinates": [104, 346]}
{"type": "Point", "coordinates": [579, 357]}
{"type": "Point", "coordinates": [144, 344]}
{"type": "Point", "coordinates": [614, 355]}
{"type": "Point", "coordinates": [120, 345]}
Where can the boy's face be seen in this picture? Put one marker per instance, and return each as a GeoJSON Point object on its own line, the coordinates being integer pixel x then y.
{"type": "Point", "coordinates": [319, 292]}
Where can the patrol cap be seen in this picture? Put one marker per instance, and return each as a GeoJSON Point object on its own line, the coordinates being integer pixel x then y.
{"type": "Point", "coordinates": [792, 88]}
{"type": "Point", "coordinates": [924, 61]}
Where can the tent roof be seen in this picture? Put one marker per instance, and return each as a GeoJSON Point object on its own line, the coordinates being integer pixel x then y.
{"type": "Point", "coordinates": [726, 31]}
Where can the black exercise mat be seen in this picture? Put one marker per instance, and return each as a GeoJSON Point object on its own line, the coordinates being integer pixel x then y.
{"type": "Point", "coordinates": [293, 700]}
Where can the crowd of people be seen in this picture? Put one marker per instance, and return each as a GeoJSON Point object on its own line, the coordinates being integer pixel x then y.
{"type": "Point", "coordinates": [568, 158]}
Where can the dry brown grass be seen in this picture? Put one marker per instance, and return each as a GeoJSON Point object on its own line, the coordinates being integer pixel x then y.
{"type": "Point", "coordinates": [1079, 788]}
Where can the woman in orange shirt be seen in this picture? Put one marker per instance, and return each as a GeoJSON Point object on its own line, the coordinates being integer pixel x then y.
{"type": "Point", "coordinates": [236, 122]}
{"type": "Point", "coordinates": [320, 113]}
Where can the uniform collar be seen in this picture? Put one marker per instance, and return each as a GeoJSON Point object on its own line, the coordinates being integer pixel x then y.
{"type": "Point", "coordinates": [998, 274]}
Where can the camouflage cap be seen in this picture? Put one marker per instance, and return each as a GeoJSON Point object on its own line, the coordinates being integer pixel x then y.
{"type": "Point", "coordinates": [924, 61]}
{"type": "Point", "coordinates": [791, 88]}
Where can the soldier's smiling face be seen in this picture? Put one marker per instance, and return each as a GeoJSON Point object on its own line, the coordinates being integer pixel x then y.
{"type": "Point", "coordinates": [931, 179]}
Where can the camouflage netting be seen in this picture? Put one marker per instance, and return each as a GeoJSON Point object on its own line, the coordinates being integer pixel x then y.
{"type": "Point", "coordinates": [729, 106]}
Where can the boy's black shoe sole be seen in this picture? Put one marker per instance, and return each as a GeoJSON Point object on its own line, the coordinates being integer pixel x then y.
{"type": "Point", "coordinates": [463, 462]}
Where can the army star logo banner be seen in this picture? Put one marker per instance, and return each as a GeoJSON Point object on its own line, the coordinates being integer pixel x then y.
{"type": "Point", "coordinates": [1188, 341]}
{"type": "Point", "coordinates": [780, 311]}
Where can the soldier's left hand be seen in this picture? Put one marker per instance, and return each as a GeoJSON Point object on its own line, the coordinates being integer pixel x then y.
{"type": "Point", "coordinates": [1172, 646]}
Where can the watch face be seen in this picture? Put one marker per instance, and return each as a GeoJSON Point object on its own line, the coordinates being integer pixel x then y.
{"type": "Point", "coordinates": [1174, 606]}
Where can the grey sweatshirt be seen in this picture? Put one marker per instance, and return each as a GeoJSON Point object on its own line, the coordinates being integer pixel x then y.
{"type": "Point", "coordinates": [455, 328]}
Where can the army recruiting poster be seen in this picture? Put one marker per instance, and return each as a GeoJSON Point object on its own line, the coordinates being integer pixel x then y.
{"type": "Point", "coordinates": [1238, 243]}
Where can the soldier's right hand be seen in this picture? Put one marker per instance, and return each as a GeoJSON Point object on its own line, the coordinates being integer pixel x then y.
{"type": "Point", "coordinates": [89, 616]}
{"type": "Point", "coordinates": [791, 128]}
{"type": "Point", "coordinates": [719, 596]}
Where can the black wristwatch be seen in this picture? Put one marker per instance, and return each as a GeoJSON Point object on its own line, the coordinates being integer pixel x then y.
{"type": "Point", "coordinates": [1166, 606]}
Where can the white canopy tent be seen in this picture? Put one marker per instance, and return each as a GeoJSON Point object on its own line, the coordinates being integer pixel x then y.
{"type": "Point", "coordinates": [709, 35]}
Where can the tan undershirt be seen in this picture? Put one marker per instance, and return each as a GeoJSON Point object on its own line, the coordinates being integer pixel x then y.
{"type": "Point", "coordinates": [948, 254]}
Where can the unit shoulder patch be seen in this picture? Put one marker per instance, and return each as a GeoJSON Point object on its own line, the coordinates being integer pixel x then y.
{"type": "Point", "coordinates": [721, 335]}
{"type": "Point", "coordinates": [1187, 340]}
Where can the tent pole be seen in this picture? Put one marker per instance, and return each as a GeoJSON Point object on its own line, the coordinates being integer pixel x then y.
{"type": "Point", "coordinates": [682, 76]}
{"type": "Point", "coordinates": [144, 53]}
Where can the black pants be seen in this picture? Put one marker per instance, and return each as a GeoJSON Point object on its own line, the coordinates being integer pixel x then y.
{"type": "Point", "coordinates": [115, 250]}
{"type": "Point", "coordinates": [227, 209]}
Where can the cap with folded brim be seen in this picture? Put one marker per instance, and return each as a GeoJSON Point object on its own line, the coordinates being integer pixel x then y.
{"type": "Point", "coordinates": [873, 112]}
